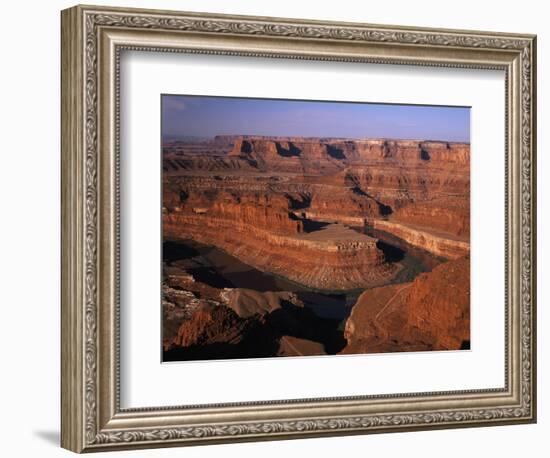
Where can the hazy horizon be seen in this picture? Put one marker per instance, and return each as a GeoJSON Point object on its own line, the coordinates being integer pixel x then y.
{"type": "Point", "coordinates": [208, 116]}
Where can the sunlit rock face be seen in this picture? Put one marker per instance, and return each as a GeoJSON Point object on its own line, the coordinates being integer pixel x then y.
{"type": "Point", "coordinates": [431, 313]}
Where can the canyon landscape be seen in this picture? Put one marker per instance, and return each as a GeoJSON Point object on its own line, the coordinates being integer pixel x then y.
{"type": "Point", "coordinates": [306, 245]}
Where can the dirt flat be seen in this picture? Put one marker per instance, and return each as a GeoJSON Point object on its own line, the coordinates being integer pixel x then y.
{"type": "Point", "coordinates": [335, 233]}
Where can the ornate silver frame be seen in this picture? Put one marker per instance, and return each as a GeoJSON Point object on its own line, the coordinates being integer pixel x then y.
{"type": "Point", "coordinates": [92, 38]}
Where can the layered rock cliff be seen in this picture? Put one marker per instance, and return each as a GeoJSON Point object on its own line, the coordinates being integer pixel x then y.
{"type": "Point", "coordinates": [331, 258]}
{"type": "Point", "coordinates": [316, 156]}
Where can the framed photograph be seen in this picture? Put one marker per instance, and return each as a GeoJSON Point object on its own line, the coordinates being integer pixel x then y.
{"type": "Point", "coordinates": [277, 228]}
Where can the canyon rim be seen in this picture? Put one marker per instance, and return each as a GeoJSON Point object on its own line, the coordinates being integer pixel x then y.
{"type": "Point", "coordinates": [306, 228]}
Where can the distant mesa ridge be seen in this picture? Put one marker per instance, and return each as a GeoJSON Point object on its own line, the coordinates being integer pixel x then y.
{"type": "Point", "coordinates": [307, 155]}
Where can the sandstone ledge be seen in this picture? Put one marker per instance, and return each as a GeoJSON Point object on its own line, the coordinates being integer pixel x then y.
{"type": "Point", "coordinates": [439, 244]}
{"type": "Point", "coordinates": [336, 258]}
{"type": "Point", "coordinates": [430, 313]}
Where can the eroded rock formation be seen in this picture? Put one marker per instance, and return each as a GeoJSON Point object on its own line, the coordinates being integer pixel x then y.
{"type": "Point", "coordinates": [441, 244]}
{"type": "Point", "coordinates": [430, 313]}
{"type": "Point", "coordinates": [271, 239]}
{"type": "Point", "coordinates": [204, 322]}
{"type": "Point", "coordinates": [306, 209]}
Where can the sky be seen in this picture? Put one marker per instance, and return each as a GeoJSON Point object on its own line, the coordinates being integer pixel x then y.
{"type": "Point", "coordinates": [208, 116]}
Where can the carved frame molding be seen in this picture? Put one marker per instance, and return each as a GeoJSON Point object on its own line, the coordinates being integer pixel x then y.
{"type": "Point", "coordinates": [92, 39]}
